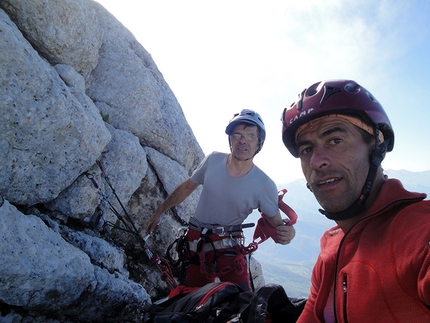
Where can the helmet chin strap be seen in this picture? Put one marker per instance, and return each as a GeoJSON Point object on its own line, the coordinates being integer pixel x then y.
{"type": "Point", "coordinates": [358, 206]}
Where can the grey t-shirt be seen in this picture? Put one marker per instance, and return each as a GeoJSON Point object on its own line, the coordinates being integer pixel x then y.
{"type": "Point", "coordinates": [227, 200]}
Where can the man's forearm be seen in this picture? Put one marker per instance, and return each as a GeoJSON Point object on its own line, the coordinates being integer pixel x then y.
{"type": "Point", "coordinates": [177, 196]}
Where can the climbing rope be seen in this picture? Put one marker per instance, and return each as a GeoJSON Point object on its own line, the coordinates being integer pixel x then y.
{"type": "Point", "coordinates": [161, 264]}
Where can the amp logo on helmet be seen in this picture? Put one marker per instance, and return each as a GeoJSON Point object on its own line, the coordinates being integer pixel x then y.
{"type": "Point", "coordinates": [302, 114]}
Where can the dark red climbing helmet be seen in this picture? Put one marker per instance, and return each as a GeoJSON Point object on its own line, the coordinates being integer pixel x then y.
{"type": "Point", "coordinates": [334, 97]}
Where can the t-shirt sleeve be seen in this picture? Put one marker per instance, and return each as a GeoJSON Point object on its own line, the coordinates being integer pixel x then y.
{"type": "Point", "coordinates": [269, 199]}
{"type": "Point", "coordinates": [198, 175]}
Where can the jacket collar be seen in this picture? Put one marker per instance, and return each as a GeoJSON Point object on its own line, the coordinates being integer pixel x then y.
{"type": "Point", "coordinates": [393, 193]}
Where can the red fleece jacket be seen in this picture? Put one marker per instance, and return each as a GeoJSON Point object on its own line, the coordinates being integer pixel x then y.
{"type": "Point", "coordinates": [380, 268]}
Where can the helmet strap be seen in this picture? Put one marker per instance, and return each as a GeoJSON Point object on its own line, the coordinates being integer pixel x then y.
{"type": "Point", "coordinates": [260, 145]}
{"type": "Point", "coordinates": [358, 206]}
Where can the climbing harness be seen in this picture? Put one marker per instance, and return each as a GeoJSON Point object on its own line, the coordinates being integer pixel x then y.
{"type": "Point", "coordinates": [223, 240]}
{"type": "Point", "coordinates": [161, 264]}
{"type": "Point", "coordinates": [227, 230]}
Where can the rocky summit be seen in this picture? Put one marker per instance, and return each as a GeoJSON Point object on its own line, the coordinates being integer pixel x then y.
{"type": "Point", "coordinates": [92, 139]}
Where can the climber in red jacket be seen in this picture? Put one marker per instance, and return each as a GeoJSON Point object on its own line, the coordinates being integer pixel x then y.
{"type": "Point", "coordinates": [374, 264]}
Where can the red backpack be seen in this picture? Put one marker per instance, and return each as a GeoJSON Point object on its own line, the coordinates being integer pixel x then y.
{"type": "Point", "coordinates": [225, 302]}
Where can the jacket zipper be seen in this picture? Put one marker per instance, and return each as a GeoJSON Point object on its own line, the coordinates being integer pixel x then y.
{"type": "Point", "coordinates": [338, 256]}
{"type": "Point", "coordinates": [344, 283]}
{"type": "Point", "coordinates": [210, 293]}
{"type": "Point", "coordinates": [345, 290]}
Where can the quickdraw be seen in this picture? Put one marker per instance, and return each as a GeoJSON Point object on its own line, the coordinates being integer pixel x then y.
{"type": "Point", "coordinates": [161, 264]}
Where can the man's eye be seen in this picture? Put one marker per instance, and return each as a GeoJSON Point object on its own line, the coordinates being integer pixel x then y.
{"type": "Point", "coordinates": [336, 141]}
{"type": "Point", "coordinates": [247, 136]}
{"type": "Point", "coordinates": [305, 150]}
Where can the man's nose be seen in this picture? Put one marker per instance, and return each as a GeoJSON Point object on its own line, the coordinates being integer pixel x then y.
{"type": "Point", "coordinates": [320, 158]}
{"type": "Point", "coordinates": [242, 139]}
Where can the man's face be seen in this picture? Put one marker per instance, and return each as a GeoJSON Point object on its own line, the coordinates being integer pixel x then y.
{"type": "Point", "coordinates": [244, 141]}
{"type": "Point", "coordinates": [335, 162]}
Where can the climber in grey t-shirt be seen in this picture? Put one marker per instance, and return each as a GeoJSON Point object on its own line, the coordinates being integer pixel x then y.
{"type": "Point", "coordinates": [228, 200]}
{"type": "Point", "coordinates": [232, 188]}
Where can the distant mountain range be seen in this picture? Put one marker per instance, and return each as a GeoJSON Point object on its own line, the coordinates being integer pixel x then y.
{"type": "Point", "coordinates": [291, 265]}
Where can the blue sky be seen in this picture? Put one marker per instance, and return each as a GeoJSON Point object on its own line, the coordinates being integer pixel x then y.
{"type": "Point", "coordinates": [222, 56]}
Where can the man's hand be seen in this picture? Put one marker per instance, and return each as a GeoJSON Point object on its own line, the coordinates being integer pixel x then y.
{"type": "Point", "coordinates": [178, 195]}
{"type": "Point", "coordinates": [152, 223]}
{"type": "Point", "coordinates": [285, 233]}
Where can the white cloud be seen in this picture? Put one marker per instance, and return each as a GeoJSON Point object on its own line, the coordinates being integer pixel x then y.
{"type": "Point", "coordinates": [220, 57]}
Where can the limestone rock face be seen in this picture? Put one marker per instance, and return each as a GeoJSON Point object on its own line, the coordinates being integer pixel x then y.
{"type": "Point", "coordinates": [48, 137]}
{"type": "Point", "coordinates": [91, 139]}
{"type": "Point", "coordinates": [62, 31]}
{"type": "Point", "coordinates": [39, 259]}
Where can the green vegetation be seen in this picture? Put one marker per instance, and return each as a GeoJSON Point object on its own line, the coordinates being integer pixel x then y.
{"type": "Point", "coordinates": [294, 277]}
